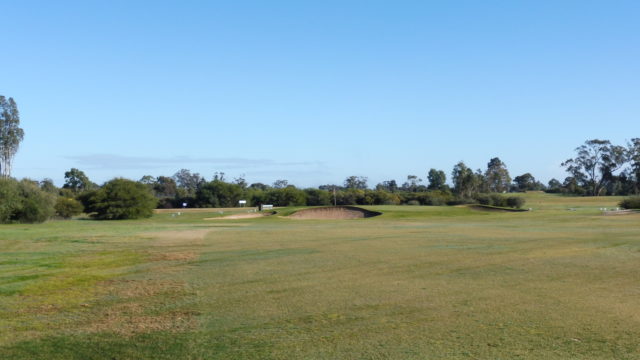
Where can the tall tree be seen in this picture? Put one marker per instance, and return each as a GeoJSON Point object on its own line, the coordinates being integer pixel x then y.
{"type": "Point", "coordinates": [497, 176]}
{"type": "Point", "coordinates": [388, 185]}
{"type": "Point", "coordinates": [188, 181]}
{"type": "Point", "coordinates": [10, 134]}
{"type": "Point", "coordinates": [280, 184]}
{"type": "Point", "coordinates": [465, 182]}
{"type": "Point", "coordinates": [634, 159]}
{"type": "Point", "coordinates": [412, 184]}
{"type": "Point", "coordinates": [525, 182]}
{"type": "Point", "coordinates": [437, 179]}
{"type": "Point", "coordinates": [595, 164]}
{"type": "Point", "coordinates": [77, 181]}
{"type": "Point", "coordinates": [355, 182]}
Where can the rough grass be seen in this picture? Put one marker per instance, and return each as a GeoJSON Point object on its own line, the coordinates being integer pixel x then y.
{"type": "Point", "coordinates": [413, 283]}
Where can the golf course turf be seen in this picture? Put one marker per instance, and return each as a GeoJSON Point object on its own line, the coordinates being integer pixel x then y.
{"type": "Point", "coordinates": [417, 282]}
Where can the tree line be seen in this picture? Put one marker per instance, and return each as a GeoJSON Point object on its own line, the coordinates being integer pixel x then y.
{"type": "Point", "coordinates": [598, 168]}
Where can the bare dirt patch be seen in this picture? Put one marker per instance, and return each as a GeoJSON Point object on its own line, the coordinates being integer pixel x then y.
{"type": "Point", "coordinates": [175, 256]}
{"type": "Point", "coordinates": [334, 212]}
{"type": "Point", "coordinates": [178, 237]}
{"type": "Point", "coordinates": [135, 315]}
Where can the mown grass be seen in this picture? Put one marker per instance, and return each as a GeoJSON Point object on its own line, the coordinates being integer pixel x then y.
{"type": "Point", "coordinates": [414, 283]}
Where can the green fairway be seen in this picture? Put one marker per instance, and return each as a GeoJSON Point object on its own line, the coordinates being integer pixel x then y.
{"type": "Point", "coordinates": [559, 282]}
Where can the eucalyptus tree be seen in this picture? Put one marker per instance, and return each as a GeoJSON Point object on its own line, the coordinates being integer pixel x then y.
{"type": "Point", "coordinates": [634, 159]}
{"type": "Point", "coordinates": [10, 134]}
{"type": "Point", "coordinates": [497, 176]}
{"type": "Point", "coordinates": [437, 179]}
{"type": "Point", "coordinates": [466, 183]}
{"type": "Point", "coordinates": [595, 163]}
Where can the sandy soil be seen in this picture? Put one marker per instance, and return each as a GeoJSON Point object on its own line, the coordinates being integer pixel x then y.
{"type": "Point", "coordinates": [242, 216]}
{"type": "Point", "coordinates": [334, 212]}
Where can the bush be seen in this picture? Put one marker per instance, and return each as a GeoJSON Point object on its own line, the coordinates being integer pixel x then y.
{"type": "Point", "coordinates": [24, 202]}
{"type": "Point", "coordinates": [121, 199]}
{"type": "Point", "coordinates": [413, 202]}
{"type": "Point", "coordinates": [515, 202]}
{"type": "Point", "coordinates": [67, 207]}
{"type": "Point", "coordinates": [632, 202]}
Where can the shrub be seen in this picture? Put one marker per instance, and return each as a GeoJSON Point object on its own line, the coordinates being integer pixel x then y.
{"type": "Point", "coordinates": [483, 199]}
{"type": "Point", "coordinates": [413, 202]}
{"type": "Point", "coordinates": [67, 207]}
{"type": "Point", "coordinates": [24, 202]}
{"type": "Point", "coordinates": [121, 199]}
{"type": "Point", "coordinates": [515, 202]}
{"type": "Point", "coordinates": [498, 200]}
{"type": "Point", "coordinates": [632, 202]}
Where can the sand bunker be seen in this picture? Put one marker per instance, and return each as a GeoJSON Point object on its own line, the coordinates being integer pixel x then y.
{"type": "Point", "coordinates": [334, 212]}
{"type": "Point", "coordinates": [243, 216]}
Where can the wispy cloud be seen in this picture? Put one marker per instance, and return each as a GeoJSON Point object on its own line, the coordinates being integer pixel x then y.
{"type": "Point", "coordinates": [112, 161]}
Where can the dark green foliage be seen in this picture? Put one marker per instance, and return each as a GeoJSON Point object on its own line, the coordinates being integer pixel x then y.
{"type": "Point", "coordinates": [316, 197]}
{"type": "Point", "coordinates": [355, 182]}
{"type": "Point", "coordinates": [526, 182]}
{"type": "Point", "coordinates": [389, 185]}
{"type": "Point", "coordinates": [595, 163]}
{"type": "Point", "coordinates": [632, 202]}
{"type": "Point", "coordinates": [24, 202]}
{"type": "Point", "coordinates": [121, 199]}
{"type": "Point", "coordinates": [499, 200]}
{"type": "Point", "coordinates": [67, 207]}
{"type": "Point", "coordinates": [77, 181]}
{"type": "Point", "coordinates": [437, 179]}
{"type": "Point", "coordinates": [413, 184]}
{"type": "Point", "coordinates": [515, 202]}
{"type": "Point", "coordinates": [497, 176]}
{"type": "Point", "coordinates": [289, 196]}
{"type": "Point", "coordinates": [466, 182]}
{"type": "Point", "coordinates": [165, 187]}
{"type": "Point", "coordinates": [218, 193]}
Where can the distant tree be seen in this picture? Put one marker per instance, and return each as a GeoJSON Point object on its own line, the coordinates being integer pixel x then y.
{"type": "Point", "coordinates": [121, 199]}
{"type": "Point", "coordinates": [48, 186]}
{"type": "Point", "coordinates": [634, 160]}
{"type": "Point", "coordinates": [465, 182]}
{"type": "Point", "coordinates": [77, 181]}
{"type": "Point", "coordinates": [317, 197]}
{"type": "Point", "coordinates": [280, 184]}
{"type": "Point", "coordinates": [595, 164]}
{"type": "Point", "coordinates": [259, 186]}
{"type": "Point", "coordinates": [437, 179]}
{"type": "Point", "coordinates": [165, 187]}
{"type": "Point", "coordinates": [571, 185]}
{"type": "Point", "coordinates": [526, 182]}
{"type": "Point", "coordinates": [218, 176]}
{"type": "Point", "coordinates": [355, 182]}
{"type": "Point", "coordinates": [240, 181]}
{"type": "Point", "coordinates": [389, 185]}
{"type": "Point", "coordinates": [412, 184]}
{"type": "Point", "coordinates": [554, 186]}
{"type": "Point", "coordinates": [10, 134]}
{"type": "Point", "coordinates": [218, 193]}
{"type": "Point", "coordinates": [184, 179]}
{"type": "Point", "coordinates": [288, 196]}
{"type": "Point", "coordinates": [147, 180]}
{"type": "Point", "coordinates": [497, 176]}
{"type": "Point", "coordinates": [330, 187]}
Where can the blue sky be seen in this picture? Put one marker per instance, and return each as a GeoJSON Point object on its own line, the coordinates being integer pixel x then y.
{"type": "Point", "coordinates": [313, 92]}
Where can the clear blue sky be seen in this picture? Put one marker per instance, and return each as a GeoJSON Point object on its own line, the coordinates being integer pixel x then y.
{"type": "Point", "coordinates": [313, 92]}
